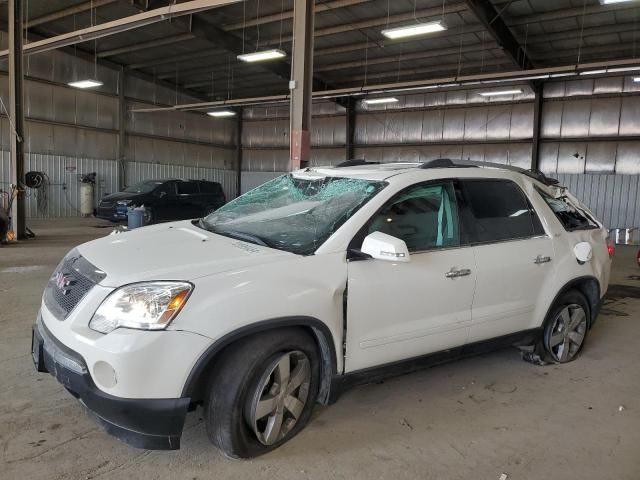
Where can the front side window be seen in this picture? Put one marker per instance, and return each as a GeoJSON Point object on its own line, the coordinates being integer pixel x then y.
{"type": "Point", "coordinates": [497, 210]}
{"type": "Point", "coordinates": [292, 213]}
{"type": "Point", "coordinates": [424, 216]}
{"type": "Point", "coordinates": [571, 217]}
{"type": "Point", "coordinates": [168, 188]}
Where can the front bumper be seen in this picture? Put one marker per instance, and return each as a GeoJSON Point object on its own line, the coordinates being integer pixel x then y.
{"type": "Point", "coordinates": [114, 214]}
{"type": "Point", "coordinates": [143, 423]}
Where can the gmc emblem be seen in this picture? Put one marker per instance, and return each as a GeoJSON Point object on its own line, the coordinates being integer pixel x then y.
{"type": "Point", "coordinates": [63, 281]}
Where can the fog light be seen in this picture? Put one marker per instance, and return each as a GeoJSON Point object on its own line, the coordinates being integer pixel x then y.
{"type": "Point", "coordinates": [104, 374]}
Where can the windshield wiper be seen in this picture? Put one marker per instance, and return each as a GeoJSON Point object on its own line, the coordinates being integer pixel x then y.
{"type": "Point", "coordinates": [247, 237]}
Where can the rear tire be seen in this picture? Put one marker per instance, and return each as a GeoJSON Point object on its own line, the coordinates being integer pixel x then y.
{"type": "Point", "coordinates": [564, 330]}
{"type": "Point", "coordinates": [261, 392]}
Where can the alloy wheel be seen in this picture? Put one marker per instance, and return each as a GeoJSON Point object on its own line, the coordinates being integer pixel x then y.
{"type": "Point", "coordinates": [280, 397]}
{"type": "Point", "coordinates": [567, 333]}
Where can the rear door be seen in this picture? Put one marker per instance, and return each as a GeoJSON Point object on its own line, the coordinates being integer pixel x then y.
{"type": "Point", "coordinates": [514, 256]}
{"type": "Point", "coordinates": [188, 199]}
{"type": "Point", "coordinates": [211, 196]}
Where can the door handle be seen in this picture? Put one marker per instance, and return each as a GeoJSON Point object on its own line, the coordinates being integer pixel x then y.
{"type": "Point", "coordinates": [455, 273]}
{"type": "Point", "coordinates": [539, 260]}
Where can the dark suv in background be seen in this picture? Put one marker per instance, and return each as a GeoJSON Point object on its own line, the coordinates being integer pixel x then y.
{"type": "Point", "coordinates": [164, 200]}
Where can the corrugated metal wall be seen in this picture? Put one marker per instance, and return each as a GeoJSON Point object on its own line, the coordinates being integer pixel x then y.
{"type": "Point", "coordinates": [590, 136]}
{"type": "Point", "coordinates": [71, 131]}
{"type": "Point", "coordinates": [63, 190]}
{"type": "Point", "coordinates": [614, 199]}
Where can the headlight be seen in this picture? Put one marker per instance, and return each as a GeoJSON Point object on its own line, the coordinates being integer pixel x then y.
{"type": "Point", "coordinates": [124, 202]}
{"type": "Point", "coordinates": [145, 306]}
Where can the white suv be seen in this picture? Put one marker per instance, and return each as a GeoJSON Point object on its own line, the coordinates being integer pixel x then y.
{"type": "Point", "coordinates": [315, 281]}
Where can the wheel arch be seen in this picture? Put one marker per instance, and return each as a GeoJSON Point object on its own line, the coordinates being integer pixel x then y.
{"type": "Point", "coordinates": [589, 286]}
{"type": "Point", "coordinates": [199, 375]}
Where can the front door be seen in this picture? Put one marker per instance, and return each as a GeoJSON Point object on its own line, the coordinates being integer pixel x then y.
{"type": "Point", "coordinates": [398, 310]}
{"type": "Point", "coordinates": [188, 200]}
{"type": "Point", "coordinates": [165, 202]}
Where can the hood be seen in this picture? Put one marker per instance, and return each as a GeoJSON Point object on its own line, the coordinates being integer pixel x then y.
{"type": "Point", "coordinates": [114, 197]}
{"type": "Point", "coordinates": [172, 251]}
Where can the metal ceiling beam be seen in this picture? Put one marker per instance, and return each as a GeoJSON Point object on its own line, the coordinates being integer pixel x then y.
{"type": "Point", "coordinates": [352, 47]}
{"type": "Point", "coordinates": [487, 80]}
{"type": "Point", "coordinates": [88, 56]}
{"type": "Point", "coordinates": [451, 67]}
{"type": "Point", "coordinates": [277, 17]}
{"type": "Point", "coordinates": [229, 42]}
{"type": "Point", "coordinates": [556, 54]}
{"type": "Point", "coordinates": [67, 12]}
{"type": "Point", "coordinates": [182, 37]}
{"type": "Point", "coordinates": [401, 58]}
{"type": "Point", "coordinates": [120, 25]}
{"type": "Point", "coordinates": [572, 34]}
{"type": "Point", "coordinates": [488, 16]}
{"type": "Point", "coordinates": [175, 59]}
{"type": "Point", "coordinates": [435, 12]}
{"type": "Point", "coordinates": [570, 13]}
{"type": "Point", "coordinates": [238, 82]}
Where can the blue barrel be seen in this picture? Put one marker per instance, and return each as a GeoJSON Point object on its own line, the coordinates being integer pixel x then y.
{"type": "Point", "coordinates": [135, 217]}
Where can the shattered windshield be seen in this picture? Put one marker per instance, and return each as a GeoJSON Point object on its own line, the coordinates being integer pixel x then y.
{"type": "Point", "coordinates": [296, 214]}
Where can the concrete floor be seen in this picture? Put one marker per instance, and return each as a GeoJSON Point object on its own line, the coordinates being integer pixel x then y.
{"type": "Point", "coordinates": [473, 419]}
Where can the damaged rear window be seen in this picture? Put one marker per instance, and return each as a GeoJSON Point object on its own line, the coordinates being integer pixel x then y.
{"type": "Point", "coordinates": [570, 215]}
{"type": "Point", "coordinates": [296, 214]}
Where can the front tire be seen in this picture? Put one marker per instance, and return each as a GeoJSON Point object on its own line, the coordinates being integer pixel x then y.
{"type": "Point", "coordinates": [262, 392]}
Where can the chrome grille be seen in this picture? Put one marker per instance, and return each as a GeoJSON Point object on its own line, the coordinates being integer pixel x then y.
{"type": "Point", "coordinates": [70, 282]}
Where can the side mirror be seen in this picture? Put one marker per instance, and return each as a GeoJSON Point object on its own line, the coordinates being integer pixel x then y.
{"type": "Point", "coordinates": [385, 247]}
{"type": "Point", "coordinates": [160, 194]}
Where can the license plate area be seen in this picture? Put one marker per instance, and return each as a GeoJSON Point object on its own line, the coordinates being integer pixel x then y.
{"type": "Point", "coordinates": [37, 351]}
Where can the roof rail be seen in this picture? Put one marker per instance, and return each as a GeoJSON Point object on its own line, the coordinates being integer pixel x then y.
{"type": "Point", "coordinates": [355, 163]}
{"type": "Point", "coordinates": [449, 163]}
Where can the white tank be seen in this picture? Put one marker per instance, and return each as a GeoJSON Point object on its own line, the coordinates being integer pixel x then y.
{"type": "Point", "coordinates": [86, 199]}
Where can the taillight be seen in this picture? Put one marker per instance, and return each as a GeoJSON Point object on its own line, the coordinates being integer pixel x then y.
{"type": "Point", "coordinates": [612, 250]}
{"type": "Point", "coordinates": [638, 258]}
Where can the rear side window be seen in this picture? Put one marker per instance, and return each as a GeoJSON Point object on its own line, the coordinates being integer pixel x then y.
{"type": "Point", "coordinates": [571, 217]}
{"type": "Point", "coordinates": [210, 187]}
{"type": "Point", "coordinates": [497, 210]}
{"type": "Point", "coordinates": [187, 188]}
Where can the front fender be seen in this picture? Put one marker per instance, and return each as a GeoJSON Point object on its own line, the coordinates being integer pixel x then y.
{"type": "Point", "coordinates": [300, 287]}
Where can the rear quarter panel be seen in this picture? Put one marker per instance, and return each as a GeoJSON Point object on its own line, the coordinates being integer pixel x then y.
{"type": "Point", "coordinates": [565, 263]}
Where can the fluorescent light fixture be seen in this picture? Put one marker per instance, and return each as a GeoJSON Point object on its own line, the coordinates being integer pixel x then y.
{"type": "Point", "coordinates": [609, 2]}
{"type": "Point", "coordinates": [380, 101]}
{"type": "Point", "coordinates": [558, 75]}
{"type": "Point", "coordinates": [495, 93]}
{"type": "Point", "coordinates": [594, 72]}
{"type": "Point", "coordinates": [636, 79]}
{"type": "Point", "coordinates": [262, 55]}
{"type": "Point", "coordinates": [89, 83]}
{"type": "Point", "coordinates": [622, 69]}
{"type": "Point", "coordinates": [222, 113]}
{"type": "Point", "coordinates": [414, 30]}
